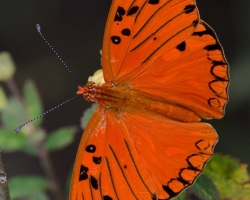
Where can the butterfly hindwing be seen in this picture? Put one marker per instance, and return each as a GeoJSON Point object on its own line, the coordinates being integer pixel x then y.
{"type": "Point", "coordinates": [193, 75]}
{"type": "Point", "coordinates": [173, 152]}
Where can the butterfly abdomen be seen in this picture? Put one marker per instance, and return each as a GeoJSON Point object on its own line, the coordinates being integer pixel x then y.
{"type": "Point", "coordinates": [173, 111]}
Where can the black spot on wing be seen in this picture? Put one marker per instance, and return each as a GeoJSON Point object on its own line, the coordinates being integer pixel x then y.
{"type": "Point", "coordinates": [93, 182]}
{"type": "Point", "coordinates": [195, 22]}
{"type": "Point", "coordinates": [97, 160]}
{"type": "Point", "coordinates": [91, 148]}
{"type": "Point", "coordinates": [189, 8]}
{"type": "Point", "coordinates": [133, 10]}
{"type": "Point", "coordinates": [153, 2]}
{"type": "Point", "coordinates": [106, 197]}
{"type": "Point", "coordinates": [119, 13]}
{"type": "Point", "coordinates": [181, 46]}
{"type": "Point", "coordinates": [83, 173]}
{"type": "Point", "coordinates": [126, 32]}
{"type": "Point", "coordinates": [213, 47]}
{"type": "Point", "coordinates": [115, 39]}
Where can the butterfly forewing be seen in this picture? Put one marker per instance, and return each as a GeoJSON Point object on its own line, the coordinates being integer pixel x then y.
{"type": "Point", "coordinates": [141, 31]}
{"type": "Point", "coordinates": [110, 167]}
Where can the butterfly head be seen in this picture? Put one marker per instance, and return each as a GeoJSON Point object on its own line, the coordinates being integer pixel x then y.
{"type": "Point", "coordinates": [91, 92]}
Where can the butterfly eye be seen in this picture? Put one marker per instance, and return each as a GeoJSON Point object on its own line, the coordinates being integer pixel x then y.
{"type": "Point", "coordinates": [89, 84]}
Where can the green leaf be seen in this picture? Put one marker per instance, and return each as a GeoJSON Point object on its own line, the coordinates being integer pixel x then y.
{"type": "Point", "coordinates": [39, 196]}
{"type": "Point", "coordinates": [9, 141]}
{"type": "Point", "coordinates": [31, 150]}
{"type": "Point", "coordinates": [230, 177]}
{"type": "Point", "coordinates": [27, 186]}
{"type": "Point", "coordinates": [60, 138]}
{"type": "Point", "coordinates": [12, 114]}
{"type": "Point", "coordinates": [204, 188]}
{"type": "Point", "coordinates": [33, 141]}
{"type": "Point", "coordinates": [33, 102]}
{"type": "Point", "coordinates": [7, 66]}
{"type": "Point", "coordinates": [87, 114]}
{"type": "Point", "coordinates": [3, 98]}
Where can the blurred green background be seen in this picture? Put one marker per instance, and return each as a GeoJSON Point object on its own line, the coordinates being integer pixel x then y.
{"type": "Point", "coordinates": [75, 29]}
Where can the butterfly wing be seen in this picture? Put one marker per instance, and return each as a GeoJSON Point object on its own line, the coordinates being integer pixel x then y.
{"type": "Point", "coordinates": [174, 153]}
{"type": "Point", "coordinates": [138, 32]}
{"type": "Point", "coordinates": [154, 158]}
{"type": "Point", "coordinates": [166, 49]}
{"type": "Point", "coordinates": [81, 169]}
{"type": "Point", "coordinates": [193, 75]}
{"type": "Point", "coordinates": [107, 164]}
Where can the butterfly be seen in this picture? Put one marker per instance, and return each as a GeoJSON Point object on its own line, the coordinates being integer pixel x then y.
{"type": "Point", "coordinates": [164, 70]}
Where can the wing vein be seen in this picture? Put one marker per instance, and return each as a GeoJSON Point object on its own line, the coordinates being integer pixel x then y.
{"type": "Point", "coordinates": [131, 6]}
{"type": "Point", "coordinates": [91, 193]}
{"type": "Point", "coordinates": [149, 19]}
{"type": "Point", "coordinates": [166, 42]}
{"type": "Point", "coordinates": [113, 152]}
{"type": "Point", "coordinates": [110, 174]}
{"type": "Point", "coordinates": [137, 168]}
{"type": "Point", "coordinates": [100, 184]}
{"type": "Point", "coordinates": [157, 30]}
{"type": "Point", "coordinates": [140, 10]}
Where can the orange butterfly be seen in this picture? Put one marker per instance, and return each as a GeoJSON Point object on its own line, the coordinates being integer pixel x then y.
{"type": "Point", "coordinates": [164, 70]}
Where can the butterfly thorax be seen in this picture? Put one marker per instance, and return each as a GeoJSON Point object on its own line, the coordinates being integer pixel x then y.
{"type": "Point", "coordinates": [122, 98]}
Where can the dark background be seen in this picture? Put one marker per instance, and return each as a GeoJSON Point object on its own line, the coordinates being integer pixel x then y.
{"type": "Point", "coordinates": [75, 29]}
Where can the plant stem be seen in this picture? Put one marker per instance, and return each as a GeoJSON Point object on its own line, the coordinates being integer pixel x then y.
{"type": "Point", "coordinates": [50, 172]}
{"type": "Point", "coordinates": [14, 90]}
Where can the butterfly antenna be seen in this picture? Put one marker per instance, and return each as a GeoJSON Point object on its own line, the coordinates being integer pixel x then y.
{"type": "Point", "coordinates": [48, 111]}
{"type": "Point", "coordinates": [38, 28]}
